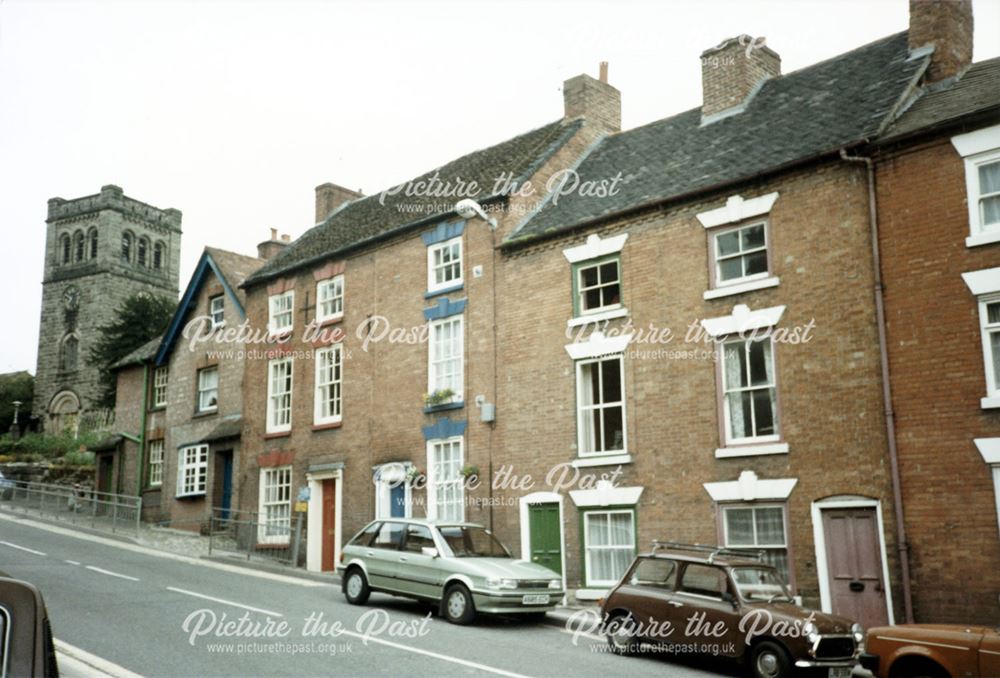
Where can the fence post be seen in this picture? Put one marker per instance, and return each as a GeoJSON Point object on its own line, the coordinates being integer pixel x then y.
{"type": "Point", "coordinates": [138, 514]}
{"type": "Point", "coordinates": [93, 508]}
{"type": "Point", "coordinates": [114, 515]}
{"type": "Point", "coordinates": [211, 530]}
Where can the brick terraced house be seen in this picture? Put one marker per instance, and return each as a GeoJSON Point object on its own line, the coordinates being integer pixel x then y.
{"type": "Point", "coordinates": [937, 173]}
{"type": "Point", "coordinates": [179, 404]}
{"type": "Point", "coordinates": [507, 362]}
{"type": "Point", "coordinates": [380, 401]}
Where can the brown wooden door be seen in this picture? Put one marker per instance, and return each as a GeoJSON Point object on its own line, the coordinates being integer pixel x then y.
{"type": "Point", "coordinates": [329, 519]}
{"type": "Point", "coordinates": [854, 565]}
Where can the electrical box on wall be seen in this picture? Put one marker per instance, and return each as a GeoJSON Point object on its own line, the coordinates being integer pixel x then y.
{"type": "Point", "coordinates": [488, 413]}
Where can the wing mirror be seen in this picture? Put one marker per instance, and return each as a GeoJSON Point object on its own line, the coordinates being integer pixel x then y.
{"type": "Point", "coordinates": [429, 551]}
{"type": "Point", "coordinates": [26, 647]}
{"type": "Point", "coordinates": [729, 598]}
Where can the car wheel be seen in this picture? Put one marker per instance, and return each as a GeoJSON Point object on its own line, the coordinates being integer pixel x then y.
{"type": "Point", "coordinates": [621, 634]}
{"type": "Point", "coordinates": [356, 587]}
{"type": "Point", "coordinates": [770, 660]}
{"type": "Point", "coordinates": [458, 605]}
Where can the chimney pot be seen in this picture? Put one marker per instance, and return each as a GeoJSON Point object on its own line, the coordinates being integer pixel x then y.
{"type": "Point", "coordinates": [274, 234]}
{"type": "Point", "coordinates": [603, 72]}
{"type": "Point", "coordinates": [947, 26]}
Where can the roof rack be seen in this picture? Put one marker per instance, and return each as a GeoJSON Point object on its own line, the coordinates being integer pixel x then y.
{"type": "Point", "coordinates": [711, 550]}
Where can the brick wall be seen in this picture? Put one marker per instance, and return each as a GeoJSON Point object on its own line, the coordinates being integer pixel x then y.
{"type": "Point", "coordinates": [829, 390]}
{"type": "Point", "coordinates": [936, 361]}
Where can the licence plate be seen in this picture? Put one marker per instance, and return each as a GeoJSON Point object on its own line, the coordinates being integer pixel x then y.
{"type": "Point", "coordinates": [542, 599]}
{"type": "Point", "coordinates": [840, 672]}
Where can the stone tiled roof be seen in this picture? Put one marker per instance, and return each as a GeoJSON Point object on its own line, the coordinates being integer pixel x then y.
{"type": "Point", "coordinates": [976, 92]}
{"type": "Point", "coordinates": [792, 118]}
{"type": "Point", "coordinates": [367, 219]}
{"type": "Point", "coordinates": [139, 356]}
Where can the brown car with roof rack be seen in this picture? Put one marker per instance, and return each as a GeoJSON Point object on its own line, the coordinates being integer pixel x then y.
{"type": "Point", "coordinates": [712, 601]}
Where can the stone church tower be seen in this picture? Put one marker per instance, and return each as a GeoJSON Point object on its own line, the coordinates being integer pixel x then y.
{"type": "Point", "coordinates": [99, 250]}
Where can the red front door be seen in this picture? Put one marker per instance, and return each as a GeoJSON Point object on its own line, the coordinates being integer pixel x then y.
{"type": "Point", "coordinates": [854, 565]}
{"type": "Point", "coordinates": [329, 519]}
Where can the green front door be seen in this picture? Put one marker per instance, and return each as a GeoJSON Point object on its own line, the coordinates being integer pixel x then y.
{"type": "Point", "coordinates": [543, 530]}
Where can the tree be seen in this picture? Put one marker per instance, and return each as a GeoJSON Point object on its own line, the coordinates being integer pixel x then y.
{"type": "Point", "coordinates": [141, 318]}
{"type": "Point", "coordinates": [19, 386]}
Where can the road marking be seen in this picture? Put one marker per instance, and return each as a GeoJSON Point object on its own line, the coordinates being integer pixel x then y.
{"type": "Point", "coordinates": [225, 602]}
{"type": "Point", "coordinates": [83, 663]}
{"type": "Point", "coordinates": [435, 655]}
{"type": "Point", "coordinates": [22, 548]}
{"type": "Point", "coordinates": [110, 573]}
{"type": "Point", "coordinates": [584, 634]}
{"type": "Point", "coordinates": [136, 548]}
{"type": "Point", "coordinates": [72, 562]}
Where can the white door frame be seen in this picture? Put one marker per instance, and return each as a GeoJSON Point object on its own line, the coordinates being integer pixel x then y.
{"type": "Point", "coordinates": [542, 498]}
{"type": "Point", "coordinates": [314, 532]}
{"type": "Point", "coordinates": [819, 537]}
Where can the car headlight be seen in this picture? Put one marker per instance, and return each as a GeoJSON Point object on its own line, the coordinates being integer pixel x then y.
{"type": "Point", "coordinates": [858, 633]}
{"type": "Point", "coordinates": [498, 583]}
{"type": "Point", "coordinates": [555, 584]}
{"type": "Point", "coordinates": [810, 632]}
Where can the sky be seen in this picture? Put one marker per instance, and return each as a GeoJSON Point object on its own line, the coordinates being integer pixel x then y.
{"type": "Point", "coordinates": [234, 111]}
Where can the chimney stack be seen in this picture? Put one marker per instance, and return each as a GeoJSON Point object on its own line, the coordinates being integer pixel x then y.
{"type": "Point", "coordinates": [947, 26]}
{"type": "Point", "coordinates": [269, 248]}
{"type": "Point", "coordinates": [597, 102]}
{"type": "Point", "coordinates": [331, 196]}
{"type": "Point", "coordinates": [732, 71]}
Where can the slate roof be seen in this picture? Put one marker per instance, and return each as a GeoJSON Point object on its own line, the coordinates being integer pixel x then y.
{"type": "Point", "coordinates": [231, 268]}
{"type": "Point", "coordinates": [976, 92]}
{"type": "Point", "coordinates": [792, 118]}
{"type": "Point", "coordinates": [139, 356]}
{"type": "Point", "coordinates": [235, 267]}
{"type": "Point", "coordinates": [366, 219]}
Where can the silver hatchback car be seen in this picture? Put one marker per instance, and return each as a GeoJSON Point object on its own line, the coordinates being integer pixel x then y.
{"type": "Point", "coordinates": [461, 567]}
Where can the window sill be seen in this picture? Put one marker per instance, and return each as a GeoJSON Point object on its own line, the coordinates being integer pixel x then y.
{"type": "Point", "coordinates": [193, 495]}
{"type": "Point", "coordinates": [444, 290]}
{"type": "Point", "coordinates": [740, 288]}
{"type": "Point", "coordinates": [603, 460]}
{"type": "Point", "coordinates": [751, 450]}
{"type": "Point", "coordinates": [327, 426]}
{"type": "Point", "coordinates": [597, 317]}
{"type": "Point", "coordinates": [430, 409]}
{"type": "Point", "coordinates": [982, 239]}
{"type": "Point", "coordinates": [205, 413]}
{"type": "Point", "coordinates": [990, 403]}
{"type": "Point", "coordinates": [278, 434]}
{"type": "Point", "coordinates": [332, 320]}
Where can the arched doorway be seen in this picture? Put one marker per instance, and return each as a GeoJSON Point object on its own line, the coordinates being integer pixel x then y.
{"type": "Point", "coordinates": [64, 414]}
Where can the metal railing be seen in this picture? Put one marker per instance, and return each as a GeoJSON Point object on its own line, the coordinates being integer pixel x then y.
{"type": "Point", "coordinates": [253, 536]}
{"type": "Point", "coordinates": [74, 505]}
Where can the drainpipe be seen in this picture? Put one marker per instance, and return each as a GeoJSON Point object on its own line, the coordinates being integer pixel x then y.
{"type": "Point", "coordinates": [890, 420]}
{"type": "Point", "coordinates": [140, 457]}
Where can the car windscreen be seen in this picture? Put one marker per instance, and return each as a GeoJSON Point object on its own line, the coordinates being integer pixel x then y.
{"type": "Point", "coordinates": [761, 583]}
{"type": "Point", "coordinates": [472, 542]}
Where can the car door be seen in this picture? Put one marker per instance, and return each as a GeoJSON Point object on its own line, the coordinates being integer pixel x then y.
{"type": "Point", "coordinates": [649, 588]}
{"type": "Point", "coordinates": [416, 573]}
{"type": "Point", "coordinates": [705, 617]}
{"type": "Point", "coordinates": [989, 653]}
{"type": "Point", "coordinates": [382, 555]}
